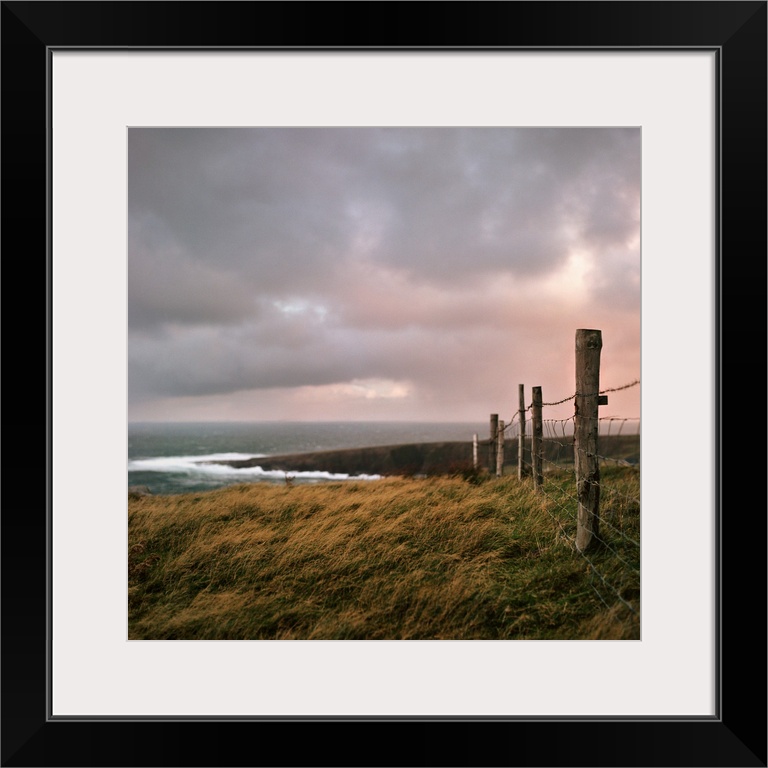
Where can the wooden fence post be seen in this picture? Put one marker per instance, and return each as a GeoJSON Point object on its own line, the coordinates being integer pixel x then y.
{"type": "Point", "coordinates": [588, 345]}
{"type": "Point", "coordinates": [474, 450]}
{"type": "Point", "coordinates": [500, 450]}
{"type": "Point", "coordinates": [492, 441]}
{"type": "Point", "coordinates": [536, 439]}
{"type": "Point", "coordinates": [522, 469]}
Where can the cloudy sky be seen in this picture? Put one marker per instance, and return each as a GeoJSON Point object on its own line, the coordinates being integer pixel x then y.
{"type": "Point", "coordinates": [378, 273]}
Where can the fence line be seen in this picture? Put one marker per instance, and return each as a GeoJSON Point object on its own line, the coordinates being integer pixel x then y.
{"type": "Point", "coordinates": [599, 518]}
{"type": "Point", "coordinates": [555, 431]}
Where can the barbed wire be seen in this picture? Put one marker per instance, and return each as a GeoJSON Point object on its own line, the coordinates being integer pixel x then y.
{"type": "Point", "coordinates": [618, 389]}
{"type": "Point", "coordinates": [588, 394]}
{"type": "Point", "coordinates": [516, 416]}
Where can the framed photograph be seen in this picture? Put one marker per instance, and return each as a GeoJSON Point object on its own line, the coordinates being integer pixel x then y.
{"type": "Point", "coordinates": [109, 109]}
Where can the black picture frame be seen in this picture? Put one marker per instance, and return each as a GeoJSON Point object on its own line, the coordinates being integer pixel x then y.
{"type": "Point", "coordinates": [736, 736]}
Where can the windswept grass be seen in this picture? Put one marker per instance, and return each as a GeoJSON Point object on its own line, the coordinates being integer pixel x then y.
{"type": "Point", "coordinates": [433, 558]}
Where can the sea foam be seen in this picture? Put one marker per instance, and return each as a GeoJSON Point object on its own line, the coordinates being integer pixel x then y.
{"type": "Point", "coordinates": [208, 466]}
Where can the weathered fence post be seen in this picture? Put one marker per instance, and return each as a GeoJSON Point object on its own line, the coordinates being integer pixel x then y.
{"type": "Point", "coordinates": [492, 441]}
{"type": "Point", "coordinates": [500, 450]}
{"type": "Point", "coordinates": [474, 450]}
{"type": "Point", "coordinates": [588, 345]}
{"type": "Point", "coordinates": [536, 442]}
{"type": "Point", "coordinates": [522, 469]}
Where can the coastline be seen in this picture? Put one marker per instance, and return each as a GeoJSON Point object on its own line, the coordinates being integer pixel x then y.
{"type": "Point", "coordinates": [434, 458]}
{"type": "Point", "coordinates": [401, 459]}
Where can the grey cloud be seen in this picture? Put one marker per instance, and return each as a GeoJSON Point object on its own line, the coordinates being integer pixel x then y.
{"type": "Point", "coordinates": [282, 257]}
{"type": "Point", "coordinates": [165, 285]}
{"type": "Point", "coordinates": [213, 361]}
{"type": "Point", "coordinates": [280, 204]}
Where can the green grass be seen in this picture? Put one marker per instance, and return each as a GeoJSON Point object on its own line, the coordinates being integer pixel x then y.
{"type": "Point", "coordinates": [455, 558]}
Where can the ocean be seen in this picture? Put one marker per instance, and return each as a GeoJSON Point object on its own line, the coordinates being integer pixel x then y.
{"type": "Point", "coordinates": [165, 457]}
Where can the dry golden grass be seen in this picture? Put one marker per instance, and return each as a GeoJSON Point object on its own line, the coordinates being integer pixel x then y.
{"type": "Point", "coordinates": [431, 558]}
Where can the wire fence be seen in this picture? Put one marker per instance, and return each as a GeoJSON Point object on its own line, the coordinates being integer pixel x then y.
{"type": "Point", "coordinates": [613, 557]}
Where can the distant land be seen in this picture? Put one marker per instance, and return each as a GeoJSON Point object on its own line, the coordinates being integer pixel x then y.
{"type": "Point", "coordinates": [430, 458]}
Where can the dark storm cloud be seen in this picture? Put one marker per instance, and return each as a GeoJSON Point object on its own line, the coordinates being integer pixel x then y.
{"type": "Point", "coordinates": [282, 257]}
{"type": "Point", "coordinates": [270, 203]}
{"type": "Point", "coordinates": [166, 285]}
{"type": "Point", "coordinates": [210, 359]}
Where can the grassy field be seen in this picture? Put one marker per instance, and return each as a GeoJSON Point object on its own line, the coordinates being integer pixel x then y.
{"type": "Point", "coordinates": [460, 557]}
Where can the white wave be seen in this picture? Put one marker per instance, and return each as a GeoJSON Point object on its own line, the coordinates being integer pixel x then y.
{"type": "Point", "coordinates": [186, 463]}
{"type": "Point", "coordinates": [202, 466]}
{"type": "Point", "coordinates": [279, 474]}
